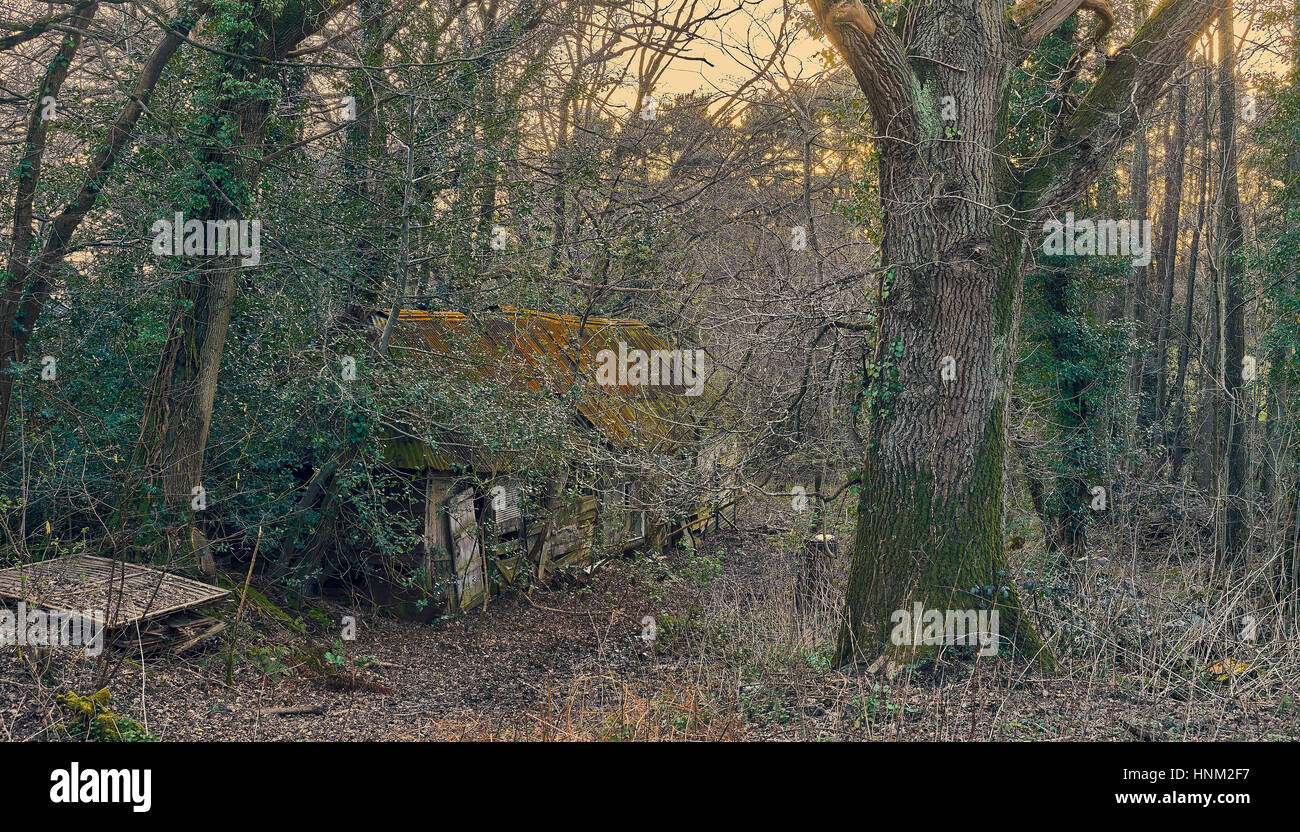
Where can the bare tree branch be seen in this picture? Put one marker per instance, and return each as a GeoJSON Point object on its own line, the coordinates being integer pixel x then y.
{"type": "Point", "coordinates": [1037, 19]}
{"type": "Point", "coordinates": [1129, 86]}
{"type": "Point", "coordinates": [878, 61]}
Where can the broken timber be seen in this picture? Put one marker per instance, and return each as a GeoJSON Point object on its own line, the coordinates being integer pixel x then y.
{"type": "Point", "coordinates": [151, 608]}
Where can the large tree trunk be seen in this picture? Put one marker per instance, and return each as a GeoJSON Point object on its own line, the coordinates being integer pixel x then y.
{"type": "Point", "coordinates": [1135, 299]}
{"type": "Point", "coordinates": [178, 409]}
{"type": "Point", "coordinates": [1180, 427]}
{"type": "Point", "coordinates": [930, 520]}
{"type": "Point", "coordinates": [1175, 156]}
{"type": "Point", "coordinates": [1233, 320]}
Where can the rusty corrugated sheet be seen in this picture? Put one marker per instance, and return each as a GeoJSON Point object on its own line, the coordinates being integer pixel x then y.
{"type": "Point", "coordinates": [545, 353]}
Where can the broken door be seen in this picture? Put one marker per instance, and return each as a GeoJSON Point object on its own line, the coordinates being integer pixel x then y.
{"type": "Point", "coordinates": [468, 548]}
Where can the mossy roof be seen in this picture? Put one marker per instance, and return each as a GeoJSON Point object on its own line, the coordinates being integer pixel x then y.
{"type": "Point", "coordinates": [551, 355]}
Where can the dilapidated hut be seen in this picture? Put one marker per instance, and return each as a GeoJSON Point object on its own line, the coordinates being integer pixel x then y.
{"type": "Point", "coordinates": [638, 406]}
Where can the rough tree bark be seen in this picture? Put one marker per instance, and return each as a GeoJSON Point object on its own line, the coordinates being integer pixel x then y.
{"type": "Point", "coordinates": [1180, 426]}
{"type": "Point", "coordinates": [957, 216]}
{"type": "Point", "coordinates": [1175, 156]}
{"type": "Point", "coordinates": [1231, 238]}
{"type": "Point", "coordinates": [1135, 295]}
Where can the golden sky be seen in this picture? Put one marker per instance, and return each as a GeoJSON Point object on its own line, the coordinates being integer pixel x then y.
{"type": "Point", "coordinates": [736, 47]}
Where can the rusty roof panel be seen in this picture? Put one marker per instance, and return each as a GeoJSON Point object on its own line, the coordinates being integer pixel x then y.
{"type": "Point", "coordinates": [543, 352]}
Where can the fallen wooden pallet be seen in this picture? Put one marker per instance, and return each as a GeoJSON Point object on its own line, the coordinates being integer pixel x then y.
{"type": "Point", "coordinates": [116, 593]}
{"type": "Point", "coordinates": [174, 633]}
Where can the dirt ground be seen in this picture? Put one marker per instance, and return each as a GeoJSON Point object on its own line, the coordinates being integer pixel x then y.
{"type": "Point", "coordinates": [729, 661]}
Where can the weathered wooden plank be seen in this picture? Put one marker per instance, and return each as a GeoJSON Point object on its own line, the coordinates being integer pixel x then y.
{"type": "Point", "coordinates": [471, 581]}
{"type": "Point", "coordinates": [124, 592]}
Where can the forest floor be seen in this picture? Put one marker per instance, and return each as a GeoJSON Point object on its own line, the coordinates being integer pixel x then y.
{"type": "Point", "coordinates": [729, 662]}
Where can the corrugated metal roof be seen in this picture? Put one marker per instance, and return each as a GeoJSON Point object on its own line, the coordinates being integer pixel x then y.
{"type": "Point", "coordinates": [544, 352]}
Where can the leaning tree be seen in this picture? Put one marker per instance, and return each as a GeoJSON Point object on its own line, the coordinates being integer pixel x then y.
{"type": "Point", "coordinates": [960, 216]}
